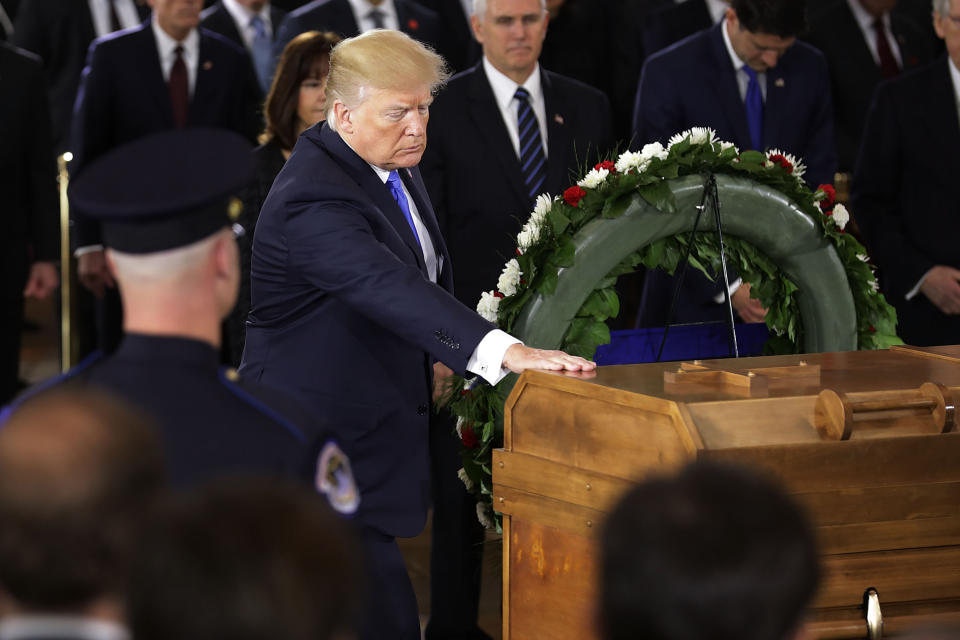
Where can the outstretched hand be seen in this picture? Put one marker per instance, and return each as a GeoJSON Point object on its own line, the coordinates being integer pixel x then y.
{"type": "Point", "coordinates": [519, 358]}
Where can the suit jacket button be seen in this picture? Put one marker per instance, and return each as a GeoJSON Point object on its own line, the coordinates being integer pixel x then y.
{"type": "Point", "coordinates": [422, 410]}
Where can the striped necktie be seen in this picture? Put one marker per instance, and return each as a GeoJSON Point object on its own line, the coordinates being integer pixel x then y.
{"type": "Point", "coordinates": [533, 161]}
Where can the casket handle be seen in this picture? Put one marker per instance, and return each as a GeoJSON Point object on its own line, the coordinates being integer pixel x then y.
{"type": "Point", "coordinates": [871, 606]}
{"type": "Point", "coordinates": [833, 413]}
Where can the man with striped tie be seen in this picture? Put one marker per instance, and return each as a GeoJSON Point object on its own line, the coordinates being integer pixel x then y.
{"type": "Point", "coordinates": [500, 133]}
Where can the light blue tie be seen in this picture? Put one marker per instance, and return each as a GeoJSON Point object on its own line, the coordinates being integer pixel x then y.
{"type": "Point", "coordinates": [262, 51]}
{"type": "Point", "coordinates": [396, 190]}
{"type": "Point", "coordinates": [754, 104]}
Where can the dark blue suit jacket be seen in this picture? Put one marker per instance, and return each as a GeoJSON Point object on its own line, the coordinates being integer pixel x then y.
{"type": "Point", "coordinates": [693, 84]}
{"type": "Point", "coordinates": [904, 194]}
{"type": "Point", "coordinates": [343, 315]}
{"type": "Point", "coordinates": [123, 96]}
{"type": "Point", "coordinates": [417, 22]}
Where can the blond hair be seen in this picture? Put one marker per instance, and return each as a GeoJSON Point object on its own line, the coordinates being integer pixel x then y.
{"type": "Point", "coordinates": [380, 59]}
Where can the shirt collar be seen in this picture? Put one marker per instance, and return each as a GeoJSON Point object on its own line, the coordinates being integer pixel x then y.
{"type": "Point", "coordinates": [243, 15]}
{"type": "Point", "coordinates": [32, 626]}
{"type": "Point", "coordinates": [864, 19]}
{"type": "Point", "coordinates": [361, 8]}
{"type": "Point", "coordinates": [504, 88]}
{"type": "Point", "coordinates": [955, 77]}
{"type": "Point", "coordinates": [167, 44]}
{"type": "Point", "coordinates": [383, 174]}
{"type": "Point", "coordinates": [734, 58]}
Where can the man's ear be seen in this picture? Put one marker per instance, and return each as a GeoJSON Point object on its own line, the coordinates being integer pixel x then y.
{"type": "Point", "coordinates": [477, 28]}
{"type": "Point", "coordinates": [343, 117]}
{"type": "Point", "coordinates": [731, 17]}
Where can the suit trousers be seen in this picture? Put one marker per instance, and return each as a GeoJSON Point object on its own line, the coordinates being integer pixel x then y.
{"type": "Point", "coordinates": [390, 605]}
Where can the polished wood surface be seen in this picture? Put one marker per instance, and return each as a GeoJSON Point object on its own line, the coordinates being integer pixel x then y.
{"type": "Point", "coordinates": [885, 502]}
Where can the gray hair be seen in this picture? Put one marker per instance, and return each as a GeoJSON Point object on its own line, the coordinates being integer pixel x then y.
{"type": "Point", "coordinates": [940, 7]}
{"type": "Point", "coordinates": [480, 7]}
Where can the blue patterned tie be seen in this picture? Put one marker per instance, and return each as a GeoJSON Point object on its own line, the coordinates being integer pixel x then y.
{"type": "Point", "coordinates": [754, 104]}
{"type": "Point", "coordinates": [396, 190]}
{"type": "Point", "coordinates": [262, 52]}
{"type": "Point", "coordinates": [533, 162]}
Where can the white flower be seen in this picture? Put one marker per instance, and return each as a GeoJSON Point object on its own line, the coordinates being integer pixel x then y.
{"type": "Point", "coordinates": [653, 150]}
{"type": "Point", "coordinates": [628, 160]}
{"type": "Point", "coordinates": [529, 235]}
{"type": "Point", "coordinates": [874, 285]}
{"type": "Point", "coordinates": [594, 178]}
{"type": "Point", "coordinates": [724, 145]}
{"type": "Point", "coordinates": [841, 216]}
{"type": "Point", "coordinates": [702, 135]}
{"type": "Point", "coordinates": [467, 482]}
{"type": "Point", "coordinates": [862, 257]}
{"type": "Point", "coordinates": [509, 278]}
{"type": "Point", "coordinates": [540, 209]}
{"type": "Point", "coordinates": [460, 423]}
{"type": "Point", "coordinates": [484, 515]}
{"type": "Point", "coordinates": [798, 167]}
{"type": "Point", "coordinates": [488, 305]}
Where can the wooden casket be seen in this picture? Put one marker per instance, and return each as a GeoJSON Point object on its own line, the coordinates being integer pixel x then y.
{"type": "Point", "coordinates": [876, 463]}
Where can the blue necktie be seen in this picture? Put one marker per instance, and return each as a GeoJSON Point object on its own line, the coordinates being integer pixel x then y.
{"type": "Point", "coordinates": [262, 52]}
{"type": "Point", "coordinates": [533, 162]}
{"type": "Point", "coordinates": [396, 190]}
{"type": "Point", "coordinates": [754, 104]}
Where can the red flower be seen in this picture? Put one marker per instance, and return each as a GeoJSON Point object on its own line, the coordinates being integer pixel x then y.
{"type": "Point", "coordinates": [779, 159]}
{"type": "Point", "coordinates": [606, 164]}
{"type": "Point", "coordinates": [573, 195]}
{"type": "Point", "coordinates": [828, 213]}
{"type": "Point", "coordinates": [519, 253]}
{"type": "Point", "coordinates": [497, 294]}
{"type": "Point", "coordinates": [412, 24]}
{"type": "Point", "coordinates": [873, 329]}
{"type": "Point", "coordinates": [469, 437]}
{"type": "Point", "coordinates": [465, 392]}
{"type": "Point", "coordinates": [830, 196]}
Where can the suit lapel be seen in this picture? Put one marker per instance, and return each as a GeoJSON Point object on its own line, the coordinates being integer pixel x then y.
{"type": "Point", "coordinates": [206, 78]}
{"type": "Point", "coordinates": [229, 27]}
{"type": "Point", "coordinates": [725, 86]}
{"type": "Point", "coordinates": [343, 16]}
{"type": "Point", "coordinates": [942, 117]}
{"type": "Point", "coordinates": [485, 112]}
{"type": "Point", "coordinates": [152, 76]}
{"type": "Point", "coordinates": [371, 185]}
{"type": "Point", "coordinates": [559, 137]}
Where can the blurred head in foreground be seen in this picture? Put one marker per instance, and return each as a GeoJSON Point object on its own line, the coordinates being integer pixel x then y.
{"type": "Point", "coordinates": [715, 552]}
{"type": "Point", "coordinates": [248, 559]}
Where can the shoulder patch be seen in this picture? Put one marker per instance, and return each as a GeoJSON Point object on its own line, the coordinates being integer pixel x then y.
{"type": "Point", "coordinates": [335, 479]}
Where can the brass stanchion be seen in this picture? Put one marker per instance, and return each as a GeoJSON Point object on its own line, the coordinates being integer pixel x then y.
{"type": "Point", "coordinates": [66, 283]}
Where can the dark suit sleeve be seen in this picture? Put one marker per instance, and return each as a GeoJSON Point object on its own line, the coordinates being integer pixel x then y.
{"type": "Point", "coordinates": [365, 275]}
{"type": "Point", "coordinates": [820, 154]}
{"type": "Point", "coordinates": [433, 171]}
{"type": "Point", "coordinates": [657, 112]}
{"type": "Point", "coordinates": [29, 30]}
{"type": "Point", "coordinates": [42, 171]}
{"type": "Point", "coordinates": [876, 199]}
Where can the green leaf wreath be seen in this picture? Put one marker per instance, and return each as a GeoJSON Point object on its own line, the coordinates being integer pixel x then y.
{"type": "Point", "coordinates": [545, 245]}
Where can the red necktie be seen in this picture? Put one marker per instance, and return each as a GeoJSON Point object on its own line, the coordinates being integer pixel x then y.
{"type": "Point", "coordinates": [888, 64]}
{"type": "Point", "coordinates": [179, 91]}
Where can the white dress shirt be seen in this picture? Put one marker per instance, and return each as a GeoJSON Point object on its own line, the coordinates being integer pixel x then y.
{"type": "Point", "coordinates": [361, 13]}
{"type": "Point", "coordinates": [243, 15]}
{"type": "Point", "coordinates": [42, 626]}
{"type": "Point", "coordinates": [503, 92]}
{"type": "Point", "coordinates": [166, 47]}
{"type": "Point", "coordinates": [487, 359]}
{"type": "Point", "coordinates": [865, 22]}
{"type": "Point", "coordinates": [100, 13]}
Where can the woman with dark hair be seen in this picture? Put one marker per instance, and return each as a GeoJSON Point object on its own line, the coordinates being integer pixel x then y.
{"type": "Point", "coordinates": [296, 102]}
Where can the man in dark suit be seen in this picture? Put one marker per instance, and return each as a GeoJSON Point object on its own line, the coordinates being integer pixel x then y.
{"type": "Point", "coordinates": [28, 174]}
{"type": "Point", "coordinates": [750, 80]}
{"type": "Point", "coordinates": [252, 24]}
{"type": "Point", "coordinates": [60, 33]}
{"type": "Point", "coordinates": [903, 191]}
{"type": "Point", "coordinates": [137, 83]}
{"type": "Point", "coordinates": [864, 41]}
{"type": "Point", "coordinates": [79, 471]}
{"type": "Point", "coordinates": [480, 192]}
{"type": "Point", "coordinates": [461, 50]}
{"type": "Point", "coordinates": [675, 22]}
{"type": "Point", "coordinates": [353, 17]}
{"type": "Point", "coordinates": [351, 303]}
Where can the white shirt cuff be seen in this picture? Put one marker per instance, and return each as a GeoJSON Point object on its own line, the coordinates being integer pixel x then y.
{"type": "Point", "coordinates": [720, 298]}
{"type": "Point", "coordinates": [79, 251]}
{"type": "Point", "coordinates": [487, 359]}
{"type": "Point", "coordinates": [916, 288]}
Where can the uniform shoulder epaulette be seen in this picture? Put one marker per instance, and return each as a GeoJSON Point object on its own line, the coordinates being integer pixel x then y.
{"type": "Point", "coordinates": [50, 383]}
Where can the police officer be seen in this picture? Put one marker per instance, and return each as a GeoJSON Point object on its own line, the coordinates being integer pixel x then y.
{"type": "Point", "coordinates": [165, 205]}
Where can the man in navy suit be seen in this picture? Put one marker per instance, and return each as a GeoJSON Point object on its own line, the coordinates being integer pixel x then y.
{"type": "Point", "coordinates": [904, 191]}
{"type": "Point", "coordinates": [136, 83]}
{"type": "Point", "coordinates": [351, 303]}
{"type": "Point", "coordinates": [353, 17]}
{"type": "Point", "coordinates": [252, 24]}
{"type": "Point", "coordinates": [750, 80]}
{"type": "Point", "coordinates": [472, 169]}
